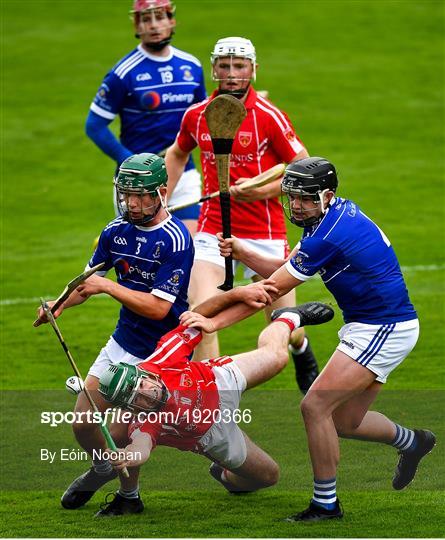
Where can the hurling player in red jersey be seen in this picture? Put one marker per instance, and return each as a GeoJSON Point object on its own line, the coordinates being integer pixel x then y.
{"type": "Point", "coordinates": [266, 137]}
{"type": "Point", "coordinates": [195, 406]}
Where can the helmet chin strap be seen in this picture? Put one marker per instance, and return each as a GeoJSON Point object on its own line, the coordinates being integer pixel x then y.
{"type": "Point", "coordinates": [235, 93]}
{"type": "Point", "coordinates": [157, 46]}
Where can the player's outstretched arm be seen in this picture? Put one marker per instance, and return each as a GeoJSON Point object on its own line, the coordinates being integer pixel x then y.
{"type": "Point", "coordinates": [263, 266]}
{"type": "Point", "coordinates": [144, 304]}
{"type": "Point", "coordinates": [232, 306]}
{"type": "Point", "coordinates": [134, 454]}
{"type": "Point", "coordinates": [74, 300]}
{"type": "Point", "coordinates": [269, 191]}
{"type": "Point", "coordinates": [281, 281]}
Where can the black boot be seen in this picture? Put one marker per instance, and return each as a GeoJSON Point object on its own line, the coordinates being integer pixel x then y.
{"type": "Point", "coordinates": [84, 487]}
{"type": "Point", "coordinates": [118, 506]}
{"type": "Point", "coordinates": [409, 461]}
{"type": "Point", "coordinates": [306, 368]}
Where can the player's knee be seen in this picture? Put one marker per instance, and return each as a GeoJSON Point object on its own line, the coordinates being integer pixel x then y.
{"type": "Point", "coordinates": [272, 475]}
{"type": "Point", "coordinates": [282, 358]}
{"type": "Point", "coordinates": [311, 407]}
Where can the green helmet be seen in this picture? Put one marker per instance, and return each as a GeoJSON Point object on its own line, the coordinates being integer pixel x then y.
{"type": "Point", "coordinates": [140, 174]}
{"type": "Point", "coordinates": [121, 385]}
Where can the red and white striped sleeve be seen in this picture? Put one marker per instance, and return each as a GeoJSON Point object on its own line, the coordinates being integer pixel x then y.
{"type": "Point", "coordinates": [283, 138]}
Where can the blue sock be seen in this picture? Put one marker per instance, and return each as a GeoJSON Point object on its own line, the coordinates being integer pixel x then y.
{"type": "Point", "coordinates": [405, 439]}
{"type": "Point", "coordinates": [325, 493]}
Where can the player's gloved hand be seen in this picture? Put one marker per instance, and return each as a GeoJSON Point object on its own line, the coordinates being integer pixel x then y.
{"type": "Point", "coordinates": [259, 294]}
{"type": "Point", "coordinates": [41, 316]}
{"type": "Point", "coordinates": [191, 319]}
{"type": "Point", "coordinates": [230, 246]}
{"type": "Point", "coordinates": [93, 285]}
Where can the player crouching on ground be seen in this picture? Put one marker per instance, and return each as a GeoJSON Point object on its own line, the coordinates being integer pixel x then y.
{"type": "Point", "coordinates": [194, 405]}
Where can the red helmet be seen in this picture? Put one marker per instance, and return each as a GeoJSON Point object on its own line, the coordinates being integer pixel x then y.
{"type": "Point", "coordinates": [144, 5]}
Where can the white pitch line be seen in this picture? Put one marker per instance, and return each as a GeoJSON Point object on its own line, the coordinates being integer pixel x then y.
{"type": "Point", "coordinates": [36, 299]}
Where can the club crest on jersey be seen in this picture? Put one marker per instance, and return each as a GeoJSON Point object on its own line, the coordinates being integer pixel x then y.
{"type": "Point", "coordinates": [186, 381]}
{"type": "Point", "coordinates": [245, 138]}
{"type": "Point", "coordinates": [186, 73]}
{"type": "Point", "coordinates": [150, 100]}
{"type": "Point", "coordinates": [176, 276]}
{"type": "Point", "coordinates": [289, 134]}
{"type": "Point", "coordinates": [157, 251]}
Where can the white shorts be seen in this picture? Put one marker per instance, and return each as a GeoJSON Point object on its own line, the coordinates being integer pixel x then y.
{"type": "Point", "coordinates": [379, 347]}
{"type": "Point", "coordinates": [112, 353]}
{"type": "Point", "coordinates": [206, 249]}
{"type": "Point", "coordinates": [187, 189]}
{"type": "Point", "coordinates": [224, 442]}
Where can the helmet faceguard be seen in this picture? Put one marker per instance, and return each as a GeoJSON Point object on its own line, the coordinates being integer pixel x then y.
{"type": "Point", "coordinates": [132, 388]}
{"type": "Point", "coordinates": [233, 48]}
{"type": "Point", "coordinates": [154, 10]}
{"type": "Point", "coordinates": [138, 184]}
{"type": "Point", "coordinates": [305, 184]}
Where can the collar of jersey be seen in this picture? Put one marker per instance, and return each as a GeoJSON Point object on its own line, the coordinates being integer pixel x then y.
{"type": "Point", "coordinates": [153, 57]}
{"type": "Point", "coordinates": [158, 226]}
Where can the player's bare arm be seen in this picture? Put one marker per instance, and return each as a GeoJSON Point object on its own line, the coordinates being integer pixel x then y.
{"type": "Point", "coordinates": [228, 312]}
{"type": "Point", "coordinates": [145, 304]}
{"type": "Point", "coordinates": [263, 266]}
{"type": "Point", "coordinates": [257, 295]}
{"type": "Point", "coordinates": [134, 454]}
{"type": "Point", "coordinates": [74, 300]}
{"type": "Point", "coordinates": [282, 281]}
{"type": "Point", "coordinates": [175, 161]}
{"type": "Point", "coordinates": [269, 191]}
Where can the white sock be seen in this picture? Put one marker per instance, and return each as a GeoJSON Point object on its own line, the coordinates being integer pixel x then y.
{"type": "Point", "coordinates": [292, 317]}
{"type": "Point", "coordinates": [302, 349]}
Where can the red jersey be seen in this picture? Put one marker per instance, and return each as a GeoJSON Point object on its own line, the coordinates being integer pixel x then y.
{"type": "Point", "coordinates": [193, 394]}
{"type": "Point", "coordinates": [266, 137]}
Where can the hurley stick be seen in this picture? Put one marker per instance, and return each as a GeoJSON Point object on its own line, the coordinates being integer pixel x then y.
{"type": "Point", "coordinates": [224, 116]}
{"type": "Point", "coordinates": [52, 321]}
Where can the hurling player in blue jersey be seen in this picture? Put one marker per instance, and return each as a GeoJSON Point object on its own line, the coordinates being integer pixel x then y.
{"type": "Point", "coordinates": [359, 267]}
{"type": "Point", "coordinates": [149, 89]}
{"type": "Point", "coordinates": [152, 255]}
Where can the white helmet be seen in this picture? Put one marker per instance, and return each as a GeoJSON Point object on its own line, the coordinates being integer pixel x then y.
{"type": "Point", "coordinates": [236, 47]}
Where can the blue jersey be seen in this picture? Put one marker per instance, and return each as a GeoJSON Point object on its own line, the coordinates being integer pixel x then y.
{"type": "Point", "coordinates": [357, 264]}
{"type": "Point", "coordinates": [150, 94]}
{"type": "Point", "coordinates": [155, 260]}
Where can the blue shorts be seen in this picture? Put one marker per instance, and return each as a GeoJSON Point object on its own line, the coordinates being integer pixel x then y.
{"type": "Point", "coordinates": [192, 212]}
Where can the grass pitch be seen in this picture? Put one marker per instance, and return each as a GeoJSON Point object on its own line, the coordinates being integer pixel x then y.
{"type": "Point", "coordinates": [363, 83]}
